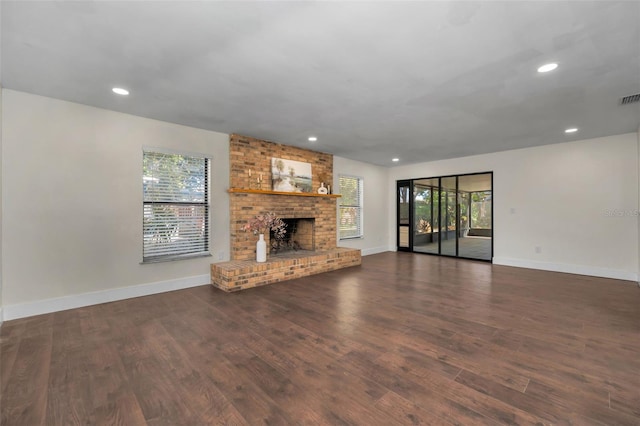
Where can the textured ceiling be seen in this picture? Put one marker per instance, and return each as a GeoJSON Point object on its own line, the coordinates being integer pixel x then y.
{"type": "Point", "coordinates": [373, 80]}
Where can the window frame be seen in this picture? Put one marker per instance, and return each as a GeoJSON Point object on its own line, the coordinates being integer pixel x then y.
{"type": "Point", "coordinates": [206, 204]}
{"type": "Point", "coordinates": [359, 206]}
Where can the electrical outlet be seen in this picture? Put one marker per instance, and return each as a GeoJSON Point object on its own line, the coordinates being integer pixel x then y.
{"type": "Point", "coordinates": [220, 255]}
{"type": "Point", "coordinates": [538, 249]}
{"type": "Point", "coordinates": [513, 210]}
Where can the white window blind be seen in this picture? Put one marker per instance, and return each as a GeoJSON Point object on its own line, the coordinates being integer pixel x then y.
{"type": "Point", "coordinates": [176, 206]}
{"type": "Point", "coordinates": [350, 207]}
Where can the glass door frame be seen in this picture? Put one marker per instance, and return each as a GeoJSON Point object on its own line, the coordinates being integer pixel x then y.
{"type": "Point", "coordinates": [410, 184]}
{"type": "Point", "coordinates": [402, 184]}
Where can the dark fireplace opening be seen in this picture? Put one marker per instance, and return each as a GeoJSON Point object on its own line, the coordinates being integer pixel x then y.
{"type": "Point", "coordinates": [300, 236]}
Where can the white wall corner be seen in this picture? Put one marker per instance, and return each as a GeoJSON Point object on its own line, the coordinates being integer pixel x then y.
{"type": "Point", "coordinates": [1, 203]}
{"type": "Point", "coordinates": [375, 221]}
{"type": "Point", "coordinates": [374, 250]}
{"type": "Point", "coordinates": [57, 304]}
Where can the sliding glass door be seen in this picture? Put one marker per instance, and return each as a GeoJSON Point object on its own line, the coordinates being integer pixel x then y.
{"type": "Point", "coordinates": [476, 214]}
{"type": "Point", "coordinates": [426, 202]}
{"type": "Point", "coordinates": [404, 215]}
{"type": "Point", "coordinates": [448, 215]}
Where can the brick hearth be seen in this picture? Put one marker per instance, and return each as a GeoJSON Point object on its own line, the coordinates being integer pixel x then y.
{"type": "Point", "coordinates": [242, 274]}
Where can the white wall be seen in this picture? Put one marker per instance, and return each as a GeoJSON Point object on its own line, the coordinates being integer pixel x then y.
{"type": "Point", "coordinates": [577, 201]}
{"type": "Point", "coordinates": [72, 193]}
{"type": "Point", "coordinates": [1, 172]}
{"type": "Point", "coordinates": [375, 212]}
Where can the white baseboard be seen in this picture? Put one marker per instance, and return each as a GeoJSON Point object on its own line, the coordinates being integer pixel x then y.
{"type": "Point", "coordinates": [567, 268]}
{"type": "Point", "coordinates": [46, 306]}
{"type": "Point", "coordinates": [373, 250]}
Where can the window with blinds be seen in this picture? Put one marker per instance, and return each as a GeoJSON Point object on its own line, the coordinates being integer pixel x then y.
{"type": "Point", "coordinates": [350, 225]}
{"type": "Point", "coordinates": [176, 206]}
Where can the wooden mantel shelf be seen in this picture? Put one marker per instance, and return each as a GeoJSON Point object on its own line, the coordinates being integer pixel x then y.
{"type": "Point", "coordinates": [295, 194]}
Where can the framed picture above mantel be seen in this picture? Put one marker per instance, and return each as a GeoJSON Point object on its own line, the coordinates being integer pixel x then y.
{"type": "Point", "coordinates": [290, 175]}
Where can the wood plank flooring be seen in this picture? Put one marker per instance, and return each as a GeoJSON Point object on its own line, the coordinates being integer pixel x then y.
{"type": "Point", "coordinates": [403, 339]}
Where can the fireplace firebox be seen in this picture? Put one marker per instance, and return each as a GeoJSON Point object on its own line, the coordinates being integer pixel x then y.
{"type": "Point", "coordinates": [300, 236]}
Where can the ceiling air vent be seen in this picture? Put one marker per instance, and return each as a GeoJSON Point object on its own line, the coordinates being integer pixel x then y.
{"type": "Point", "coordinates": [630, 99]}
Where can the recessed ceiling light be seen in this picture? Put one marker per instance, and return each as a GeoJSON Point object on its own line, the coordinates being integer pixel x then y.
{"type": "Point", "coordinates": [571, 130]}
{"type": "Point", "coordinates": [395, 160]}
{"type": "Point", "coordinates": [312, 138]}
{"type": "Point", "coordinates": [120, 91]}
{"type": "Point", "coordinates": [548, 67]}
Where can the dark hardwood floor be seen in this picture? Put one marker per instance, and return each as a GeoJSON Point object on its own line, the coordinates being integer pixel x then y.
{"type": "Point", "coordinates": [402, 339]}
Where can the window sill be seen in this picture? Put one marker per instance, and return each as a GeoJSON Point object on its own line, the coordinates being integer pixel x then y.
{"type": "Point", "coordinates": [361, 237]}
{"type": "Point", "coordinates": [175, 258]}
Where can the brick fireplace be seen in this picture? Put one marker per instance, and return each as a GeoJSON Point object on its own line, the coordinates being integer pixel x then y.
{"type": "Point", "coordinates": [250, 160]}
{"type": "Point", "coordinates": [255, 155]}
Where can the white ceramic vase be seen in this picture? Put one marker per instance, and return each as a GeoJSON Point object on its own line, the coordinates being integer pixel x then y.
{"type": "Point", "coordinates": [322, 189]}
{"type": "Point", "coordinates": [261, 250]}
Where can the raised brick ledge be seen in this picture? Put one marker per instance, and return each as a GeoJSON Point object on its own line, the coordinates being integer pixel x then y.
{"type": "Point", "coordinates": [242, 274]}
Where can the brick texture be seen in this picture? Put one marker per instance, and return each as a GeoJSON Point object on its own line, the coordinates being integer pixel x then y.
{"type": "Point", "coordinates": [244, 274]}
{"type": "Point", "coordinates": [247, 153]}
{"type": "Point", "coordinates": [255, 155]}
{"type": "Point", "coordinates": [243, 271]}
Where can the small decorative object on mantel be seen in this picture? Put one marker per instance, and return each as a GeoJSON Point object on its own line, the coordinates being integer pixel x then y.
{"type": "Point", "coordinates": [255, 183]}
{"type": "Point", "coordinates": [323, 189]}
{"type": "Point", "coordinates": [261, 224]}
